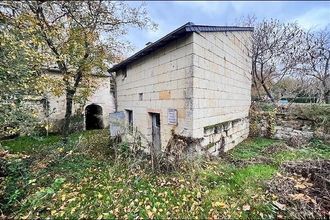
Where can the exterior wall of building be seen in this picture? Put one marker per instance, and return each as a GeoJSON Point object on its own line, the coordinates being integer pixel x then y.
{"type": "Point", "coordinates": [205, 76]}
{"type": "Point", "coordinates": [101, 96]}
{"type": "Point", "coordinates": [222, 88]}
{"type": "Point", "coordinates": [156, 83]}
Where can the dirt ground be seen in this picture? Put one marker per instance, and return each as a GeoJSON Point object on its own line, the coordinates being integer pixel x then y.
{"type": "Point", "coordinates": [302, 189]}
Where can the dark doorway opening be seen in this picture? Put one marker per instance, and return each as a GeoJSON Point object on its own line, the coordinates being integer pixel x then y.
{"type": "Point", "coordinates": [93, 117]}
{"type": "Point", "coordinates": [155, 125]}
{"type": "Point", "coordinates": [130, 119]}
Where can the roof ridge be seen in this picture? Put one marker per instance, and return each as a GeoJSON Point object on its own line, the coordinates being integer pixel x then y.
{"type": "Point", "coordinates": [222, 26]}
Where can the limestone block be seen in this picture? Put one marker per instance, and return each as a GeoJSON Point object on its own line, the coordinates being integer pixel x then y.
{"type": "Point", "coordinates": [208, 131]}
{"type": "Point", "coordinates": [288, 129]}
{"type": "Point", "coordinates": [308, 134]}
{"type": "Point", "coordinates": [213, 150]}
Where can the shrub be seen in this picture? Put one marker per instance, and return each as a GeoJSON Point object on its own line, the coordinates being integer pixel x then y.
{"type": "Point", "coordinates": [318, 114]}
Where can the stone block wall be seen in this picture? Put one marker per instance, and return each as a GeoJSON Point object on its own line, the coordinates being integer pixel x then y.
{"type": "Point", "coordinates": [101, 96]}
{"type": "Point", "coordinates": [157, 82]}
{"type": "Point", "coordinates": [285, 127]}
{"type": "Point", "coordinates": [224, 136]}
{"type": "Point", "coordinates": [222, 86]}
{"type": "Point", "coordinates": [205, 76]}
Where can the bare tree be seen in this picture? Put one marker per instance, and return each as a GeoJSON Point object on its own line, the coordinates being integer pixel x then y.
{"type": "Point", "coordinates": [275, 53]}
{"type": "Point", "coordinates": [317, 60]}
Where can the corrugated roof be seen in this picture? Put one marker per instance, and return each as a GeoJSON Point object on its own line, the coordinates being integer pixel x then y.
{"type": "Point", "coordinates": [179, 32]}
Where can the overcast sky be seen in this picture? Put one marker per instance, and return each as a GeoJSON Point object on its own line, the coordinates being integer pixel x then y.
{"type": "Point", "coordinates": [169, 15]}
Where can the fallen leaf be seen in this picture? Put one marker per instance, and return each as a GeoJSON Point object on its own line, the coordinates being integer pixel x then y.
{"type": "Point", "coordinates": [32, 181]}
{"type": "Point", "coordinates": [300, 186]}
{"type": "Point", "coordinates": [279, 205]}
{"type": "Point", "coordinates": [219, 204]}
{"type": "Point", "coordinates": [298, 196]}
{"type": "Point", "coordinates": [27, 216]}
{"type": "Point", "coordinates": [150, 214]}
{"type": "Point", "coordinates": [246, 207]}
{"type": "Point", "coordinates": [313, 201]}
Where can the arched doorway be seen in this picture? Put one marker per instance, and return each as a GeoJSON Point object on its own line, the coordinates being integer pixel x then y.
{"type": "Point", "coordinates": [93, 117]}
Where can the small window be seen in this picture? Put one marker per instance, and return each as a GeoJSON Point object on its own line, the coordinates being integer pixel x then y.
{"type": "Point", "coordinates": [124, 73]}
{"type": "Point", "coordinates": [140, 96]}
{"type": "Point", "coordinates": [112, 87]}
{"type": "Point", "coordinates": [216, 130]}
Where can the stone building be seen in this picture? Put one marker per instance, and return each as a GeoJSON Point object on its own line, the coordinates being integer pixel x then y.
{"type": "Point", "coordinates": [92, 114]}
{"type": "Point", "coordinates": [195, 80]}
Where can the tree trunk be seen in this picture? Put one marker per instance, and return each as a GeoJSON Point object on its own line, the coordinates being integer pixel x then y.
{"type": "Point", "coordinates": [325, 91]}
{"type": "Point", "coordinates": [255, 85]}
{"type": "Point", "coordinates": [268, 92]}
{"type": "Point", "coordinates": [255, 77]}
{"type": "Point", "coordinates": [68, 114]}
{"type": "Point", "coordinates": [326, 94]}
{"type": "Point", "coordinates": [113, 90]}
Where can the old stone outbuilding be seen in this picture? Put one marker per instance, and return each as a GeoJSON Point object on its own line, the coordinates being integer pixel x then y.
{"type": "Point", "coordinates": [195, 80]}
{"type": "Point", "coordinates": [92, 114]}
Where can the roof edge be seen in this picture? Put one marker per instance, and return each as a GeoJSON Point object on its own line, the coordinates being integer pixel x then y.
{"type": "Point", "coordinates": [186, 28]}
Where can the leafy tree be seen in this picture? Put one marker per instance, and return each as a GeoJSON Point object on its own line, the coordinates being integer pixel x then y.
{"type": "Point", "coordinates": [20, 66]}
{"type": "Point", "coordinates": [80, 37]}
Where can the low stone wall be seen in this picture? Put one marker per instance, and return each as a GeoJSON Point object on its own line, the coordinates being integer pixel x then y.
{"type": "Point", "coordinates": [76, 124]}
{"type": "Point", "coordinates": [285, 125]}
{"type": "Point", "coordinates": [224, 136]}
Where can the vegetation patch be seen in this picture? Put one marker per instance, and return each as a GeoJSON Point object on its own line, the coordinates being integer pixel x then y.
{"type": "Point", "coordinates": [303, 189]}
{"type": "Point", "coordinates": [84, 179]}
{"type": "Point", "coordinates": [318, 114]}
{"type": "Point", "coordinates": [251, 148]}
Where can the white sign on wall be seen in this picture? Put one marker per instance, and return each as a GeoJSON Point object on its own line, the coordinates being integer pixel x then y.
{"type": "Point", "coordinates": [172, 116]}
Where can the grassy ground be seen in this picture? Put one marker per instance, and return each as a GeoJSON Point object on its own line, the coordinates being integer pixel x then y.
{"type": "Point", "coordinates": [82, 179]}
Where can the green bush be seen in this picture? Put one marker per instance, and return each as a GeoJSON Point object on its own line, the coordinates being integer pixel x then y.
{"type": "Point", "coordinates": [303, 99]}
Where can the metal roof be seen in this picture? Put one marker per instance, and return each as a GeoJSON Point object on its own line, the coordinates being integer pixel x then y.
{"type": "Point", "coordinates": [177, 33]}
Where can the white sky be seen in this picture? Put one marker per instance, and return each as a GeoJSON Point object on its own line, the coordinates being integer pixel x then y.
{"type": "Point", "coordinates": [169, 15]}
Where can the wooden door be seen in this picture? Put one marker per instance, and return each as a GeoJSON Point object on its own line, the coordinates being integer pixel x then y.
{"type": "Point", "coordinates": [155, 120]}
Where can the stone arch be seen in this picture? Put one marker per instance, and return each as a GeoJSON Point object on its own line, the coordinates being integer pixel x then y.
{"type": "Point", "coordinates": [93, 117]}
